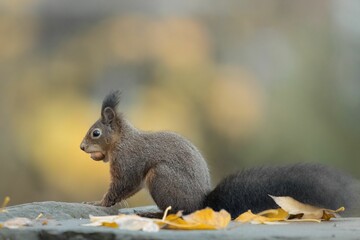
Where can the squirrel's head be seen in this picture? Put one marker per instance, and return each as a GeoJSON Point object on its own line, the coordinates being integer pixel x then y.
{"type": "Point", "coordinates": [105, 132]}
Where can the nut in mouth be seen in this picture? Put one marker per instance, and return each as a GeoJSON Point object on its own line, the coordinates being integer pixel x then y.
{"type": "Point", "coordinates": [97, 156]}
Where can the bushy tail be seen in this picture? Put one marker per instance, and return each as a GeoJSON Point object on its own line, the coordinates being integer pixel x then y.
{"type": "Point", "coordinates": [312, 184]}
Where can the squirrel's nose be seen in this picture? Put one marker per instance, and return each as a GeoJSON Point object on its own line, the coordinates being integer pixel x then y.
{"type": "Point", "coordinates": [82, 146]}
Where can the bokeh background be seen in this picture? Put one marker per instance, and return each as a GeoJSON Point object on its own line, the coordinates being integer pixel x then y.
{"type": "Point", "coordinates": [249, 82]}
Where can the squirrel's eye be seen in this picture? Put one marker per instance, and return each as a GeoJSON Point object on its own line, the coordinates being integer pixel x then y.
{"type": "Point", "coordinates": [96, 133]}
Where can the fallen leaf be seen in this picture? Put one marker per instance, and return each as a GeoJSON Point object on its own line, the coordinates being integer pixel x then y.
{"type": "Point", "coordinates": [249, 216]}
{"type": "Point", "coordinates": [15, 223]}
{"type": "Point", "coordinates": [4, 204]}
{"type": "Point", "coordinates": [275, 214]}
{"type": "Point", "coordinates": [202, 219]}
{"type": "Point", "coordinates": [266, 217]}
{"type": "Point", "coordinates": [207, 216]}
{"type": "Point", "coordinates": [294, 207]}
{"type": "Point", "coordinates": [97, 221]}
{"type": "Point", "coordinates": [290, 210]}
{"type": "Point", "coordinates": [135, 223]}
{"type": "Point", "coordinates": [205, 219]}
{"type": "Point", "coordinates": [110, 224]}
{"type": "Point", "coordinates": [127, 222]}
{"type": "Point", "coordinates": [332, 213]}
{"type": "Point", "coordinates": [171, 218]}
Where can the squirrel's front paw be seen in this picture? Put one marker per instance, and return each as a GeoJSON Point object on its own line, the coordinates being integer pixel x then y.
{"type": "Point", "coordinates": [106, 203]}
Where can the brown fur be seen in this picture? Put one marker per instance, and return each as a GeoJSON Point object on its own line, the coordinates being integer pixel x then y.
{"type": "Point", "coordinates": [149, 178]}
{"type": "Point", "coordinates": [170, 166]}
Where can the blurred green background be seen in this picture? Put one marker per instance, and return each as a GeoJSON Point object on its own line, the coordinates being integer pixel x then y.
{"type": "Point", "coordinates": [249, 82]}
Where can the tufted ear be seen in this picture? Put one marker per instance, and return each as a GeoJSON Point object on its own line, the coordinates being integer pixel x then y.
{"type": "Point", "coordinates": [108, 115]}
{"type": "Point", "coordinates": [109, 106]}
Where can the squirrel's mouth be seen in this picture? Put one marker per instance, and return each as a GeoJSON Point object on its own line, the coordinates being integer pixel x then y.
{"type": "Point", "coordinates": [97, 156]}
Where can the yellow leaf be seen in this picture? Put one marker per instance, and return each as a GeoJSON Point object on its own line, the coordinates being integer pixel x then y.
{"type": "Point", "coordinates": [279, 213]}
{"type": "Point", "coordinates": [173, 217]}
{"type": "Point", "coordinates": [209, 217]}
{"type": "Point", "coordinates": [205, 219]}
{"type": "Point", "coordinates": [4, 204]}
{"type": "Point", "coordinates": [248, 217]}
{"type": "Point", "coordinates": [110, 224]}
{"type": "Point", "coordinates": [265, 217]}
{"type": "Point", "coordinates": [175, 222]}
{"type": "Point", "coordinates": [291, 211]}
{"type": "Point", "coordinates": [304, 211]}
{"type": "Point", "coordinates": [99, 220]}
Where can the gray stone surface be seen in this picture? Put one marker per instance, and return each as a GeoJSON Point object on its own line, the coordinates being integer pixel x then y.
{"type": "Point", "coordinates": [56, 210]}
{"type": "Point", "coordinates": [68, 217]}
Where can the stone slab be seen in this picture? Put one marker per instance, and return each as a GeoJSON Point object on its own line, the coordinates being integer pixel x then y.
{"type": "Point", "coordinates": [69, 217]}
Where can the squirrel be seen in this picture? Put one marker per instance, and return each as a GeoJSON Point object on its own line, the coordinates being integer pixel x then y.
{"type": "Point", "coordinates": [176, 174]}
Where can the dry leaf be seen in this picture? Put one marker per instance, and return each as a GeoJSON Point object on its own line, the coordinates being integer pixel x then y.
{"type": "Point", "coordinates": [265, 217]}
{"type": "Point", "coordinates": [110, 224]}
{"type": "Point", "coordinates": [4, 204]}
{"type": "Point", "coordinates": [207, 216]}
{"type": "Point", "coordinates": [15, 223]}
{"type": "Point", "coordinates": [291, 211]}
{"type": "Point", "coordinates": [275, 213]}
{"type": "Point", "coordinates": [127, 222]}
{"type": "Point", "coordinates": [294, 207]}
{"type": "Point", "coordinates": [205, 219]}
{"type": "Point", "coordinates": [171, 219]}
{"type": "Point", "coordinates": [249, 216]}
{"type": "Point", "coordinates": [135, 223]}
{"type": "Point", "coordinates": [97, 221]}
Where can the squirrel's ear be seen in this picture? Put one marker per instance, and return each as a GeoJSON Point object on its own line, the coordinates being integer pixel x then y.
{"type": "Point", "coordinates": [108, 115]}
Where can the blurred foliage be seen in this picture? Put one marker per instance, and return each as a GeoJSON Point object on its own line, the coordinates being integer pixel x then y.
{"type": "Point", "coordinates": [249, 82]}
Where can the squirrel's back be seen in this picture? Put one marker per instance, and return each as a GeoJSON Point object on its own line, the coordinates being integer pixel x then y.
{"type": "Point", "coordinates": [179, 175]}
{"type": "Point", "coordinates": [308, 183]}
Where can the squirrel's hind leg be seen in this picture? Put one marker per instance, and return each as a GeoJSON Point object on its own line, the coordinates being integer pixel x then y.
{"type": "Point", "coordinates": [168, 188]}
